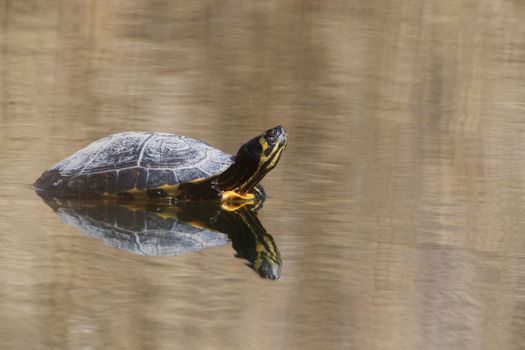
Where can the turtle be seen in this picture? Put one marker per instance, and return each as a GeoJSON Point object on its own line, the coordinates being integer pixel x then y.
{"type": "Point", "coordinates": [163, 166]}
{"type": "Point", "coordinates": [160, 229]}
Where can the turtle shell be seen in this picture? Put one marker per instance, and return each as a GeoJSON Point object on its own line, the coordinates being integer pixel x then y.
{"type": "Point", "coordinates": [138, 231]}
{"type": "Point", "coordinates": [138, 161]}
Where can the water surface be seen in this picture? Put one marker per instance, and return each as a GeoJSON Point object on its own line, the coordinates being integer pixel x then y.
{"type": "Point", "coordinates": [397, 206]}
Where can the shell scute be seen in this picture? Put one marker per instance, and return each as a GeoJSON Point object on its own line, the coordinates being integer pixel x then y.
{"type": "Point", "coordinates": [158, 178]}
{"type": "Point", "coordinates": [186, 175]}
{"type": "Point", "coordinates": [121, 151]}
{"type": "Point", "coordinates": [140, 160]}
{"type": "Point", "coordinates": [97, 183]}
{"type": "Point", "coordinates": [126, 180]}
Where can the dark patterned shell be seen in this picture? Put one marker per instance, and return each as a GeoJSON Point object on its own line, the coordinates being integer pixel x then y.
{"type": "Point", "coordinates": [133, 160]}
{"type": "Point", "coordinates": [140, 232]}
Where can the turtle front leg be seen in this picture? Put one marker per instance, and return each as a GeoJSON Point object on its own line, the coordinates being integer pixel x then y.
{"type": "Point", "coordinates": [232, 200]}
{"type": "Point", "coordinates": [256, 194]}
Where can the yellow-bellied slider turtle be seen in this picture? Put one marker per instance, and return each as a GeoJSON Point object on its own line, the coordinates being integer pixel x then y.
{"type": "Point", "coordinates": [159, 165]}
{"type": "Point", "coordinates": [157, 229]}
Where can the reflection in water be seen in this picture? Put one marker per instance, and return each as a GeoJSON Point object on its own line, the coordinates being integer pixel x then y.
{"type": "Point", "coordinates": [160, 229]}
{"type": "Point", "coordinates": [400, 200]}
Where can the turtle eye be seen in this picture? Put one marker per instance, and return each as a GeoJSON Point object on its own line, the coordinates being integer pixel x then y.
{"type": "Point", "coordinates": [271, 133]}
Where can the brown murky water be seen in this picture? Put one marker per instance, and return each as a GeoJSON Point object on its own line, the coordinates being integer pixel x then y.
{"type": "Point", "coordinates": [398, 207]}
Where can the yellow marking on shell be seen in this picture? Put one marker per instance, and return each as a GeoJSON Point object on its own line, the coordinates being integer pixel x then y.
{"type": "Point", "coordinates": [196, 224]}
{"type": "Point", "coordinates": [110, 196]}
{"type": "Point", "coordinates": [168, 211]}
{"type": "Point", "coordinates": [171, 190]}
{"type": "Point", "coordinates": [138, 194]}
{"type": "Point", "coordinates": [200, 180]}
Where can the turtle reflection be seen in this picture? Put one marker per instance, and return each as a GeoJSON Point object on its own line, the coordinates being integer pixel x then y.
{"type": "Point", "coordinates": [161, 229]}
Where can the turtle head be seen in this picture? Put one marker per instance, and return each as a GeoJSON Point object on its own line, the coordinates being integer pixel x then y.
{"type": "Point", "coordinates": [267, 264]}
{"type": "Point", "coordinates": [254, 160]}
{"type": "Point", "coordinates": [272, 144]}
{"type": "Point", "coordinates": [264, 152]}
